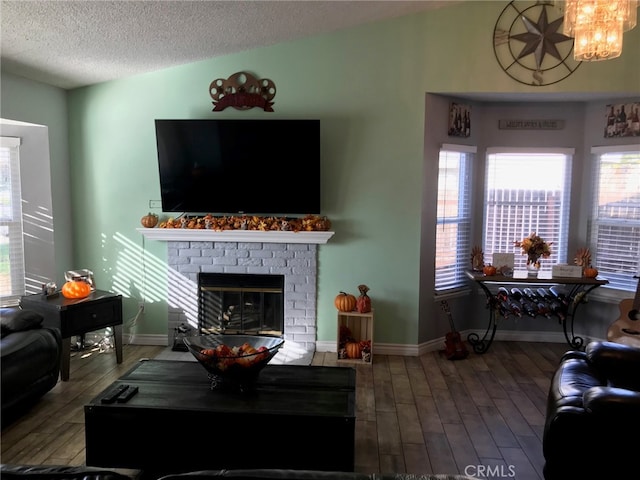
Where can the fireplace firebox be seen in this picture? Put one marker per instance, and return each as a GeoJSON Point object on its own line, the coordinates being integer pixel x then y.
{"type": "Point", "coordinates": [250, 304]}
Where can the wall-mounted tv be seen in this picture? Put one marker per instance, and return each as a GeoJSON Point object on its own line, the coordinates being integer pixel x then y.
{"type": "Point", "coordinates": [232, 166]}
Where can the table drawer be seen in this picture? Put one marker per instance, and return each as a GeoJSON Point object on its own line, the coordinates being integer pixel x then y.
{"type": "Point", "coordinates": [92, 316]}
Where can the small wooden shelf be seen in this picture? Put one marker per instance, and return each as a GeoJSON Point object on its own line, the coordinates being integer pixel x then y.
{"type": "Point", "coordinates": [361, 326]}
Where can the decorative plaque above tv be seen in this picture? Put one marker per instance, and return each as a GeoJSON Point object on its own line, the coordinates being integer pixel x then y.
{"type": "Point", "coordinates": [242, 91]}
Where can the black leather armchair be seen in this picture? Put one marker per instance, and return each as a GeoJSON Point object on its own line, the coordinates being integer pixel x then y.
{"type": "Point", "coordinates": [593, 414]}
{"type": "Point", "coordinates": [30, 360]}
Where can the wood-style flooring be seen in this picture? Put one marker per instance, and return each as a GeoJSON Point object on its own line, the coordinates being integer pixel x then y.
{"type": "Point", "coordinates": [482, 416]}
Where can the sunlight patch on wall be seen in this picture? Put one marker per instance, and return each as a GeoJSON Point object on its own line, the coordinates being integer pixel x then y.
{"type": "Point", "coordinates": [139, 274]}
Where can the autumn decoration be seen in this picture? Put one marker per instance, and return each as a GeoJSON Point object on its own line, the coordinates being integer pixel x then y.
{"type": "Point", "coordinates": [489, 270]}
{"type": "Point", "coordinates": [76, 289]}
{"type": "Point", "coordinates": [308, 223]}
{"type": "Point", "coordinates": [590, 272]}
{"type": "Point", "coordinates": [345, 302]}
{"type": "Point", "coordinates": [477, 259]}
{"type": "Point", "coordinates": [354, 350]}
{"type": "Point", "coordinates": [534, 247]}
{"type": "Point", "coordinates": [150, 220]}
{"type": "Point", "coordinates": [363, 303]}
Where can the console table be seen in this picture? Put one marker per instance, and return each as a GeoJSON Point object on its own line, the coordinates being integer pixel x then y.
{"type": "Point", "coordinates": [77, 316]}
{"type": "Point", "coordinates": [565, 307]}
{"type": "Point", "coordinates": [177, 423]}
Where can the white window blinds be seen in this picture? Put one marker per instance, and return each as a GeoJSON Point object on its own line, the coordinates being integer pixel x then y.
{"type": "Point", "coordinates": [526, 191]}
{"type": "Point", "coordinates": [453, 229]}
{"type": "Point", "coordinates": [12, 281]}
{"type": "Point", "coordinates": [615, 222]}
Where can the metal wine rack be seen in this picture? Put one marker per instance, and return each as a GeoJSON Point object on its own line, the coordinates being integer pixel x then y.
{"type": "Point", "coordinates": [553, 298]}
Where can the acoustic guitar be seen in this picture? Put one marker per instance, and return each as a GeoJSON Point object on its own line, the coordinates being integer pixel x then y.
{"type": "Point", "coordinates": [627, 328]}
{"type": "Point", "coordinates": [455, 348]}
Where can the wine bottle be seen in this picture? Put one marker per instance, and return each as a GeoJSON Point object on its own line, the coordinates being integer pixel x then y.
{"type": "Point", "coordinates": [503, 308]}
{"type": "Point", "coordinates": [558, 310]}
{"type": "Point", "coordinates": [561, 297]}
{"type": "Point", "coordinates": [544, 293]}
{"type": "Point", "coordinates": [543, 309]}
{"type": "Point", "coordinates": [529, 308]}
{"type": "Point", "coordinates": [503, 294]}
{"type": "Point", "coordinates": [530, 295]}
{"type": "Point", "coordinates": [515, 308]}
{"type": "Point", "coordinates": [517, 293]}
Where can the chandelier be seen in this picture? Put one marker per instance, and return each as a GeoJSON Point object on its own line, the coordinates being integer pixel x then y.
{"type": "Point", "coordinates": [597, 26]}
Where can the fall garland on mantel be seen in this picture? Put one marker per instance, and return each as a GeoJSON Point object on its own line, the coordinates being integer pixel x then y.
{"type": "Point", "coordinates": [309, 223]}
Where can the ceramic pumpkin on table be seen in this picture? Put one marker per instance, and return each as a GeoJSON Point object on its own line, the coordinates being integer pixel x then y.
{"type": "Point", "coordinates": [76, 289]}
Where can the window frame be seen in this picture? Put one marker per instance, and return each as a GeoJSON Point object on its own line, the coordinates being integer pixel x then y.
{"type": "Point", "coordinates": [455, 280]}
{"type": "Point", "coordinates": [560, 244]}
{"type": "Point", "coordinates": [616, 282]}
{"type": "Point", "coordinates": [13, 222]}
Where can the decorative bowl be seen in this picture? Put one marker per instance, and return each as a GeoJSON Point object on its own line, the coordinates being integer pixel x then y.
{"type": "Point", "coordinates": [233, 361]}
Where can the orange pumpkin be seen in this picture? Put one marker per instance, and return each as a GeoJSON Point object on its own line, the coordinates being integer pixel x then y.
{"type": "Point", "coordinates": [590, 272]}
{"type": "Point", "coordinates": [354, 350]}
{"type": "Point", "coordinates": [345, 302]}
{"type": "Point", "coordinates": [76, 289]}
{"type": "Point", "coordinates": [489, 270]}
{"type": "Point", "coordinates": [150, 220]}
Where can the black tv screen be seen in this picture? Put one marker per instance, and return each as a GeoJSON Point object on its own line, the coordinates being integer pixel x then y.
{"type": "Point", "coordinates": [239, 166]}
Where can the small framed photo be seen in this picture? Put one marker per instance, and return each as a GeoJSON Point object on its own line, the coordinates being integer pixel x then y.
{"type": "Point", "coordinates": [622, 120]}
{"type": "Point", "coordinates": [459, 120]}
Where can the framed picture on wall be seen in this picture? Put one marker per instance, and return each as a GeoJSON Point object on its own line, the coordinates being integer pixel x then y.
{"type": "Point", "coordinates": [459, 120]}
{"type": "Point", "coordinates": [622, 120]}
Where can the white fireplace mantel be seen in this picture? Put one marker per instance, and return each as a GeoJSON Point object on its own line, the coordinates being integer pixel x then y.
{"type": "Point", "coordinates": [247, 236]}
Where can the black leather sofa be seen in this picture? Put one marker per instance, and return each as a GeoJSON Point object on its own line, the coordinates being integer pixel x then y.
{"type": "Point", "coordinates": [57, 472]}
{"type": "Point", "coordinates": [29, 361]}
{"type": "Point", "coordinates": [593, 414]}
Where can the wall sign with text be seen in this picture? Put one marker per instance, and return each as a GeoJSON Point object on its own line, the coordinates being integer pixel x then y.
{"type": "Point", "coordinates": [530, 124]}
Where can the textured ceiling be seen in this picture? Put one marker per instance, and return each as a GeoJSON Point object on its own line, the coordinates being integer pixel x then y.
{"type": "Point", "coordinates": [76, 43]}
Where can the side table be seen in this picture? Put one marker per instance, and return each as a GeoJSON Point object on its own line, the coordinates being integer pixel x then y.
{"type": "Point", "coordinates": [78, 316]}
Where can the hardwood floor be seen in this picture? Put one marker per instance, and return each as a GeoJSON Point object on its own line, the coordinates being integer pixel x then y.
{"type": "Point", "coordinates": [482, 416]}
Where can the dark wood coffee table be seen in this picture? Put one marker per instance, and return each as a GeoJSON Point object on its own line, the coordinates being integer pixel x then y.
{"type": "Point", "coordinates": [298, 417]}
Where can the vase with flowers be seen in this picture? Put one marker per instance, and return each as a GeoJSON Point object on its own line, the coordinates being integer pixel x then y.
{"type": "Point", "coordinates": [534, 247]}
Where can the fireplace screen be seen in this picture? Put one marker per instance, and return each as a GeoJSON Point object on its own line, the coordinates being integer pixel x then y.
{"type": "Point", "coordinates": [241, 303]}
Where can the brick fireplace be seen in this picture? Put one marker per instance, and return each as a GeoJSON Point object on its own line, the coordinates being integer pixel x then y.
{"type": "Point", "coordinates": [292, 255]}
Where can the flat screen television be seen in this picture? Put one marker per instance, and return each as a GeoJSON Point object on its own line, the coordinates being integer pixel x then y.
{"type": "Point", "coordinates": [232, 166]}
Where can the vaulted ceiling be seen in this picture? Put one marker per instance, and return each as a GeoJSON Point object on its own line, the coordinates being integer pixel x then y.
{"type": "Point", "coordinates": [77, 43]}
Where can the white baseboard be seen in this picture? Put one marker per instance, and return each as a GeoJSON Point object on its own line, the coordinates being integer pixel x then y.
{"type": "Point", "coordinates": [397, 348]}
{"type": "Point", "coordinates": [145, 339]}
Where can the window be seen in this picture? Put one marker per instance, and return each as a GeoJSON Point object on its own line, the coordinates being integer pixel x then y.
{"type": "Point", "coordinates": [615, 222]}
{"type": "Point", "coordinates": [453, 229]}
{"type": "Point", "coordinates": [526, 191]}
{"type": "Point", "coordinates": [12, 281]}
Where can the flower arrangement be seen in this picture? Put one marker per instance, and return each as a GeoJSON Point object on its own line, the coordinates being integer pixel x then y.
{"type": "Point", "coordinates": [534, 247]}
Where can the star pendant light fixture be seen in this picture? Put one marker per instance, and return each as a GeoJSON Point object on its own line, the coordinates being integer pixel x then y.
{"type": "Point", "coordinates": [597, 26]}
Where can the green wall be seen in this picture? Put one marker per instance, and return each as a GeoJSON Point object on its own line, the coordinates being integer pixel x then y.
{"type": "Point", "coordinates": [38, 104]}
{"type": "Point", "coordinates": [367, 85]}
